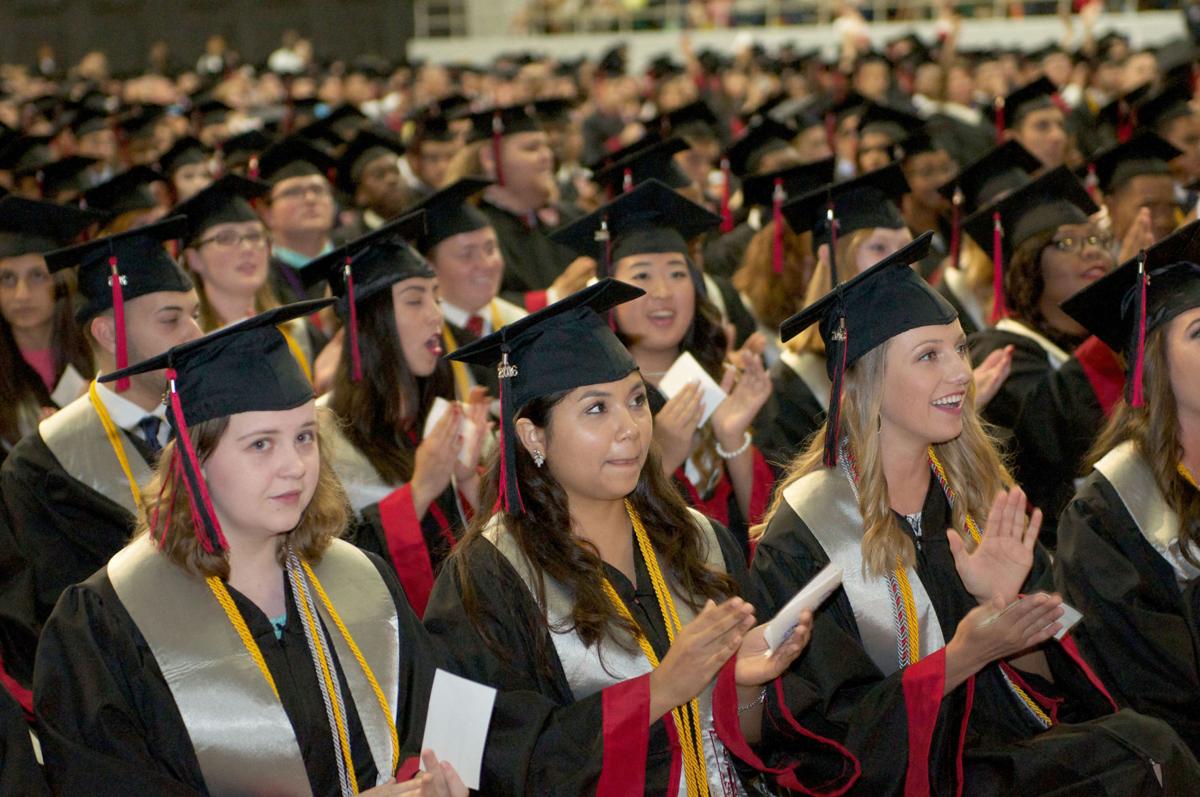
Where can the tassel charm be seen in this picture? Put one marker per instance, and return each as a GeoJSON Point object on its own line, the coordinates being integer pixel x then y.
{"type": "Point", "coordinates": [1138, 398]}
{"type": "Point", "coordinates": [956, 203]}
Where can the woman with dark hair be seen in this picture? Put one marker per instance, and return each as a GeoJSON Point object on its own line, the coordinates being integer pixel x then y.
{"type": "Point", "coordinates": [644, 240]}
{"type": "Point", "coordinates": [413, 488]}
{"type": "Point", "coordinates": [1129, 542]}
{"type": "Point", "coordinates": [300, 668]}
{"type": "Point", "coordinates": [43, 353]}
{"type": "Point", "coordinates": [186, 169]}
{"type": "Point", "coordinates": [596, 592]}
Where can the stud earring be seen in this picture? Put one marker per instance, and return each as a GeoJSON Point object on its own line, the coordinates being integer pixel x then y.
{"type": "Point", "coordinates": [539, 458]}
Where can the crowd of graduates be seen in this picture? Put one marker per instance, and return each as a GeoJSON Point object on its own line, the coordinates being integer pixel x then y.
{"type": "Point", "coordinates": [316, 380]}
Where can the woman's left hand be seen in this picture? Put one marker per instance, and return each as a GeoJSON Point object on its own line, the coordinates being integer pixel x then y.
{"type": "Point", "coordinates": [438, 780]}
{"type": "Point", "coordinates": [990, 375]}
{"type": "Point", "coordinates": [1001, 561]}
{"type": "Point", "coordinates": [747, 393]}
{"type": "Point", "coordinates": [755, 668]}
{"type": "Point", "coordinates": [475, 410]}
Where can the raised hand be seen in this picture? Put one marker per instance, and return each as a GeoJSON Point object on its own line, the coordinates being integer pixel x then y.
{"type": "Point", "coordinates": [755, 668]}
{"type": "Point", "coordinates": [699, 651]}
{"type": "Point", "coordinates": [746, 397]}
{"type": "Point", "coordinates": [990, 375]}
{"type": "Point", "coordinates": [994, 631]}
{"type": "Point", "coordinates": [438, 780]}
{"type": "Point", "coordinates": [675, 426]}
{"type": "Point", "coordinates": [435, 459]}
{"type": "Point", "coordinates": [999, 564]}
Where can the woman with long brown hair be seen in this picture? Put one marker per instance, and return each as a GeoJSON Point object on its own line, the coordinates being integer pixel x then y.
{"type": "Point", "coordinates": [925, 665]}
{"type": "Point", "coordinates": [595, 591]}
{"type": "Point", "coordinates": [1129, 542]}
{"type": "Point", "coordinates": [43, 354]}
{"type": "Point", "coordinates": [413, 489]}
{"type": "Point", "coordinates": [236, 645]}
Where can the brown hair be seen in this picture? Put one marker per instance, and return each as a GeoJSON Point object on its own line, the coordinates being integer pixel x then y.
{"type": "Point", "coordinates": [324, 518]}
{"type": "Point", "coordinates": [546, 538]}
{"type": "Point", "coordinates": [820, 282]}
{"type": "Point", "coordinates": [1024, 284]}
{"type": "Point", "coordinates": [1154, 430]}
{"type": "Point", "coordinates": [264, 299]}
{"type": "Point", "coordinates": [773, 296]}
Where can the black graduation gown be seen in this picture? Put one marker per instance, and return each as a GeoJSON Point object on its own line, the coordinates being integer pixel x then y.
{"type": "Point", "coordinates": [836, 690]}
{"type": "Point", "coordinates": [789, 418]}
{"type": "Point", "coordinates": [18, 637]}
{"type": "Point", "coordinates": [531, 260]}
{"type": "Point", "coordinates": [285, 281]}
{"type": "Point", "coordinates": [20, 773]}
{"type": "Point", "coordinates": [1139, 625]}
{"type": "Point", "coordinates": [109, 724]}
{"type": "Point", "coordinates": [736, 312]}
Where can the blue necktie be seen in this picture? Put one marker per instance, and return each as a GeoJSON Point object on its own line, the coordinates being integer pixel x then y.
{"type": "Point", "coordinates": [149, 427]}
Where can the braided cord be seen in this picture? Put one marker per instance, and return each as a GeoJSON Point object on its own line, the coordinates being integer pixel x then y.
{"type": "Point", "coordinates": [239, 624]}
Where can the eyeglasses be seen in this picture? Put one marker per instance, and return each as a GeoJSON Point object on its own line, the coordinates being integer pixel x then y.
{"type": "Point", "coordinates": [227, 239]}
{"type": "Point", "coordinates": [318, 191]}
{"type": "Point", "coordinates": [1075, 243]}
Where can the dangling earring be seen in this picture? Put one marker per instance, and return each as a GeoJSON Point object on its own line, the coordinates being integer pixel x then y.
{"type": "Point", "coordinates": [539, 458]}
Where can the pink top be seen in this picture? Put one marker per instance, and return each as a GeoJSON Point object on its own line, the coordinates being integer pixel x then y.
{"type": "Point", "coordinates": [42, 361]}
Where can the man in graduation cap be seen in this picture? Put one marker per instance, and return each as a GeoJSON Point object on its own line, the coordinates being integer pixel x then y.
{"type": "Point", "coordinates": [1169, 114]}
{"type": "Point", "coordinates": [1138, 191]}
{"type": "Point", "coordinates": [437, 135]}
{"type": "Point", "coordinates": [1031, 115]}
{"type": "Point", "coordinates": [368, 174]}
{"type": "Point", "coordinates": [73, 489]}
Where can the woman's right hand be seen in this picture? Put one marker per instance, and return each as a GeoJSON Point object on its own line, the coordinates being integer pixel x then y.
{"type": "Point", "coordinates": [438, 780]}
{"type": "Point", "coordinates": [698, 653]}
{"type": "Point", "coordinates": [435, 459]}
{"type": "Point", "coordinates": [990, 632]}
{"type": "Point", "coordinates": [675, 426]}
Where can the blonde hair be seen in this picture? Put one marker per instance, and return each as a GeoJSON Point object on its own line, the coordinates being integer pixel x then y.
{"type": "Point", "coordinates": [973, 467]}
{"type": "Point", "coordinates": [979, 270]}
{"type": "Point", "coordinates": [466, 162]}
{"type": "Point", "coordinates": [324, 518]}
{"type": "Point", "coordinates": [819, 283]}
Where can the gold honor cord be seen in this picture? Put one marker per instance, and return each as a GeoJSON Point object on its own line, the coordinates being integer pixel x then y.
{"type": "Point", "coordinates": [297, 352]}
{"type": "Point", "coordinates": [687, 716]}
{"type": "Point", "coordinates": [114, 440]}
{"type": "Point", "coordinates": [462, 381]}
{"type": "Point", "coordinates": [1187, 475]}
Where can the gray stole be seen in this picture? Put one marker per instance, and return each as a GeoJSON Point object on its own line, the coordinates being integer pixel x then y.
{"type": "Point", "coordinates": [1055, 355]}
{"type": "Point", "coordinates": [242, 737]}
{"type": "Point", "coordinates": [1134, 482]}
{"type": "Point", "coordinates": [358, 476]}
{"type": "Point", "coordinates": [810, 368]}
{"type": "Point", "coordinates": [825, 501]}
{"type": "Point", "coordinates": [587, 669]}
{"type": "Point", "coordinates": [71, 385]}
{"type": "Point", "coordinates": [77, 440]}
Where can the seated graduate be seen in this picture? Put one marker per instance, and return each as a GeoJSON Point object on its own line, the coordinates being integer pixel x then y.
{"type": "Point", "coordinates": [300, 668]}
{"type": "Point", "coordinates": [43, 353]}
{"type": "Point", "coordinates": [187, 169]}
{"type": "Point", "coordinates": [1138, 192]}
{"type": "Point", "coordinates": [921, 664]}
{"type": "Point", "coordinates": [412, 491]}
{"type": "Point", "coordinates": [1127, 550]}
{"type": "Point", "coordinates": [594, 590]}
{"type": "Point", "coordinates": [643, 238]}
{"type": "Point", "coordinates": [72, 489]}
{"type": "Point", "coordinates": [20, 772]}
{"type": "Point", "coordinates": [368, 175]}
{"type": "Point", "coordinates": [1032, 116]}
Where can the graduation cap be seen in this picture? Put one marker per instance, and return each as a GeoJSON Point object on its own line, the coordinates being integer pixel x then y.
{"type": "Point", "coordinates": [694, 115]}
{"type": "Point", "coordinates": [30, 226]}
{"type": "Point", "coordinates": [26, 153]}
{"type": "Point", "coordinates": [1172, 102]}
{"type": "Point", "coordinates": [366, 148]}
{"type": "Point", "coordinates": [1119, 115]}
{"type": "Point", "coordinates": [141, 122]}
{"type": "Point", "coordinates": [432, 121]}
{"type": "Point", "coordinates": [119, 268]}
{"type": "Point", "coordinates": [1045, 203]}
{"type": "Point", "coordinates": [773, 189]}
{"type": "Point", "coordinates": [1003, 169]}
{"type": "Point", "coordinates": [449, 212]}
{"type": "Point", "coordinates": [1145, 154]}
{"type": "Point", "coordinates": [1125, 305]}
{"type": "Point", "coordinates": [761, 138]}
{"type": "Point", "coordinates": [651, 218]}
{"type": "Point", "coordinates": [563, 346]}
{"type": "Point", "coordinates": [609, 158]}
{"type": "Point", "coordinates": [367, 265]}
{"type": "Point", "coordinates": [893, 122]}
{"type": "Point", "coordinates": [335, 127]}
{"type": "Point", "coordinates": [293, 157]}
{"type": "Point", "coordinates": [224, 201]}
{"type": "Point", "coordinates": [127, 191]}
{"type": "Point", "coordinates": [664, 66]}
{"type": "Point", "coordinates": [66, 177]}
{"type": "Point", "coordinates": [864, 312]}
{"type": "Point", "coordinates": [1008, 111]}
{"type": "Point", "coordinates": [839, 209]}
{"type": "Point", "coordinates": [247, 366]}
{"type": "Point", "coordinates": [554, 109]}
{"type": "Point", "coordinates": [187, 151]}
{"type": "Point", "coordinates": [244, 149]}
{"type": "Point", "coordinates": [87, 120]}
{"type": "Point", "coordinates": [655, 161]}
{"type": "Point", "coordinates": [495, 123]}
{"type": "Point", "coordinates": [210, 112]}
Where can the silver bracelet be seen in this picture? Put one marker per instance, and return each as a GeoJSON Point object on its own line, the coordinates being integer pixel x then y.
{"type": "Point", "coordinates": [723, 454]}
{"type": "Point", "coordinates": [758, 701]}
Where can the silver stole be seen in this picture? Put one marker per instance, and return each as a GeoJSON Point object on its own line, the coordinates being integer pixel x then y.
{"type": "Point", "coordinates": [77, 440]}
{"type": "Point", "coordinates": [358, 476]}
{"type": "Point", "coordinates": [1134, 482]}
{"type": "Point", "coordinates": [588, 669]}
{"type": "Point", "coordinates": [1055, 355]}
{"type": "Point", "coordinates": [811, 370]}
{"type": "Point", "coordinates": [242, 737]}
{"type": "Point", "coordinates": [824, 500]}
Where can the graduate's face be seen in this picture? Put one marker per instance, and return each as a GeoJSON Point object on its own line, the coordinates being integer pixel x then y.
{"type": "Point", "coordinates": [379, 186]}
{"type": "Point", "coordinates": [926, 376]}
{"type": "Point", "coordinates": [1069, 264]}
{"type": "Point", "coordinates": [1183, 361]}
{"type": "Point", "coordinates": [926, 173]}
{"type": "Point", "coordinates": [299, 205]}
{"type": "Point", "coordinates": [1044, 133]}
{"type": "Point", "coordinates": [153, 323]}
{"type": "Point", "coordinates": [232, 258]}
{"type": "Point", "coordinates": [882, 242]}
{"type": "Point", "coordinates": [597, 439]}
{"type": "Point", "coordinates": [661, 318]}
{"type": "Point", "coordinates": [1153, 191]}
{"type": "Point", "coordinates": [26, 292]}
{"type": "Point", "coordinates": [469, 268]}
{"type": "Point", "coordinates": [431, 161]}
{"type": "Point", "coordinates": [874, 151]}
{"type": "Point", "coordinates": [190, 180]}
{"type": "Point", "coordinates": [263, 472]}
{"type": "Point", "coordinates": [528, 161]}
{"type": "Point", "coordinates": [415, 302]}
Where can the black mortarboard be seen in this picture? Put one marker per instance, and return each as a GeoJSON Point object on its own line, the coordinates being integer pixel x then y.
{"type": "Point", "coordinates": [1171, 102]}
{"type": "Point", "coordinates": [663, 66]}
{"type": "Point", "coordinates": [366, 148]}
{"type": "Point", "coordinates": [694, 114]}
{"type": "Point", "coordinates": [87, 120]}
{"type": "Point", "coordinates": [653, 162]}
{"type": "Point", "coordinates": [129, 190]}
{"type": "Point", "coordinates": [335, 127]}
{"type": "Point", "coordinates": [554, 109]}
{"type": "Point", "coordinates": [64, 179]}
{"type": "Point", "coordinates": [894, 122]}
{"type": "Point", "coordinates": [851, 103]}
{"type": "Point", "coordinates": [293, 157]}
{"type": "Point", "coordinates": [186, 151]}
{"type": "Point", "coordinates": [1119, 113]}
{"type": "Point", "coordinates": [244, 149]}
{"type": "Point", "coordinates": [566, 345]}
{"type": "Point", "coordinates": [1124, 306]}
{"type": "Point", "coordinates": [650, 218]}
{"type": "Point", "coordinates": [764, 136]}
{"type": "Point", "coordinates": [1146, 153]}
{"type": "Point", "coordinates": [210, 112]}
{"type": "Point", "coordinates": [1003, 169]}
{"type": "Point", "coordinates": [26, 153]}
{"type": "Point", "coordinates": [448, 212]}
{"type": "Point", "coordinates": [432, 121]}
{"type": "Point", "coordinates": [224, 201]}
{"type": "Point", "coordinates": [795, 181]}
{"type": "Point", "coordinates": [119, 268]}
{"type": "Point", "coordinates": [247, 366]}
{"type": "Point", "coordinates": [504, 120]}
{"type": "Point", "coordinates": [609, 158]}
{"type": "Point", "coordinates": [30, 226]}
{"type": "Point", "coordinates": [865, 202]}
{"type": "Point", "coordinates": [1036, 94]}
{"type": "Point", "coordinates": [140, 122]}
{"type": "Point", "coordinates": [864, 312]}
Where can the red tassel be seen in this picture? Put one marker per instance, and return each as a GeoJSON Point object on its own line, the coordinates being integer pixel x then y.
{"type": "Point", "coordinates": [118, 300]}
{"type": "Point", "coordinates": [1091, 183]}
{"type": "Point", "coordinates": [1126, 122]}
{"type": "Point", "coordinates": [726, 215]}
{"type": "Point", "coordinates": [831, 131]}
{"type": "Point", "coordinates": [833, 424]}
{"type": "Point", "coordinates": [777, 219]}
{"type": "Point", "coordinates": [252, 168]}
{"type": "Point", "coordinates": [998, 308]}
{"type": "Point", "coordinates": [627, 181]}
{"type": "Point", "coordinates": [955, 227]}
{"type": "Point", "coordinates": [355, 354]}
{"type": "Point", "coordinates": [497, 141]}
{"type": "Point", "coordinates": [999, 106]}
{"type": "Point", "coordinates": [200, 501]}
{"type": "Point", "coordinates": [1138, 398]}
